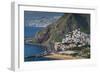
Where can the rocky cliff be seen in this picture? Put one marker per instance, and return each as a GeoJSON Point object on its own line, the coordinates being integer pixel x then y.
{"type": "Point", "coordinates": [56, 31]}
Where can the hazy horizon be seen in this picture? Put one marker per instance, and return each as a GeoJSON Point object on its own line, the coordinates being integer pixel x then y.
{"type": "Point", "coordinates": [40, 19]}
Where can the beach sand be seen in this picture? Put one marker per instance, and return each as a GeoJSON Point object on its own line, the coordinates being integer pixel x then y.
{"type": "Point", "coordinates": [60, 57]}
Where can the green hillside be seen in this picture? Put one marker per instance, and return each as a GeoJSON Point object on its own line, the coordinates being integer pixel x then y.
{"type": "Point", "coordinates": [56, 31]}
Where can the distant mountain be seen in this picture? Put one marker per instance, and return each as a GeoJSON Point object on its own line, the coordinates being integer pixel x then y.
{"type": "Point", "coordinates": [56, 31]}
{"type": "Point", "coordinates": [43, 22]}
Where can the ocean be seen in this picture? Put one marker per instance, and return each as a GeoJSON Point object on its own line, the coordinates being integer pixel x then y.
{"type": "Point", "coordinates": [31, 50]}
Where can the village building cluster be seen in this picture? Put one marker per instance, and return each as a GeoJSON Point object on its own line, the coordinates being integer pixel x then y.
{"type": "Point", "coordinates": [76, 38]}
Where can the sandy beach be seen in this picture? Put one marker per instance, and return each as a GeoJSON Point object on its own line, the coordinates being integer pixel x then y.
{"type": "Point", "coordinates": [60, 57]}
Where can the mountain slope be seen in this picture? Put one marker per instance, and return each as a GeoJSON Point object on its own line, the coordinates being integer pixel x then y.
{"type": "Point", "coordinates": [56, 31]}
{"type": "Point", "coordinates": [53, 32]}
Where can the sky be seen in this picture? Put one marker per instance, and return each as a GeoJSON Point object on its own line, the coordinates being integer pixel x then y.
{"type": "Point", "coordinates": [40, 19]}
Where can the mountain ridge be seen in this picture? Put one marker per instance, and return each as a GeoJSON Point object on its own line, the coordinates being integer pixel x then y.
{"type": "Point", "coordinates": [57, 30]}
